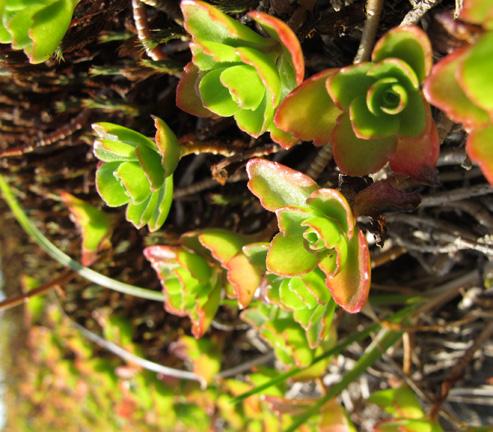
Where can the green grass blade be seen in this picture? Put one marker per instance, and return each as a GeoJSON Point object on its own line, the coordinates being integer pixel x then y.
{"type": "Point", "coordinates": [383, 341]}
{"type": "Point", "coordinates": [55, 253]}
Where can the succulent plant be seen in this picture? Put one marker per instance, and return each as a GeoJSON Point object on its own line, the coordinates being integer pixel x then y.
{"type": "Point", "coordinates": [460, 85]}
{"type": "Point", "coordinates": [373, 112]}
{"type": "Point", "coordinates": [35, 26]}
{"type": "Point", "coordinates": [137, 171]}
{"type": "Point", "coordinates": [317, 229]}
{"type": "Point", "coordinates": [207, 264]}
{"type": "Point", "coordinates": [309, 302]}
{"type": "Point", "coordinates": [236, 71]}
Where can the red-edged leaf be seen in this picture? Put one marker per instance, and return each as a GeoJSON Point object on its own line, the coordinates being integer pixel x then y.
{"type": "Point", "coordinates": [480, 149]}
{"type": "Point", "coordinates": [244, 277]}
{"type": "Point", "coordinates": [169, 147]}
{"type": "Point", "coordinates": [278, 186]}
{"type": "Point", "coordinates": [477, 12]}
{"type": "Point", "coordinates": [222, 244]}
{"type": "Point", "coordinates": [417, 157]}
{"type": "Point", "coordinates": [475, 72]}
{"type": "Point", "coordinates": [350, 286]}
{"type": "Point", "coordinates": [332, 204]}
{"type": "Point", "coordinates": [408, 43]}
{"type": "Point", "coordinates": [94, 225]}
{"type": "Point", "coordinates": [187, 95]}
{"type": "Point", "coordinates": [206, 313]}
{"type": "Point", "coordinates": [308, 111]}
{"type": "Point", "coordinates": [443, 90]}
{"type": "Point", "coordinates": [206, 22]}
{"type": "Point", "coordinates": [280, 31]}
{"type": "Point", "coordinates": [357, 157]}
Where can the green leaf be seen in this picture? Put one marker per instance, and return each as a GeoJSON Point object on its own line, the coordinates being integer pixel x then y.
{"type": "Point", "coordinates": [350, 286]}
{"type": "Point", "coordinates": [398, 402]}
{"type": "Point", "coordinates": [395, 68]}
{"type": "Point", "coordinates": [223, 244]}
{"type": "Point", "coordinates": [164, 200]}
{"type": "Point", "coordinates": [114, 132]}
{"type": "Point", "coordinates": [479, 148]}
{"type": "Point", "coordinates": [321, 233]}
{"type": "Point", "coordinates": [368, 126]}
{"type": "Point", "coordinates": [168, 146]}
{"type": "Point", "coordinates": [215, 96]}
{"type": "Point", "coordinates": [478, 12]}
{"type": "Point", "coordinates": [287, 254]}
{"type": "Point", "coordinates": [205, 54]}
{"type": "Point", "coordinates": [444, 91]}
{"type": "Point", "coordinates": [95, 226]}
{"type": "Point", "coordinates": [407, 43]}
{"type": "Point", "coordinates": [207, 23]}
{"type": "Point", "coordinates": [349, 83]}
{"type": "Point", "coordinates": [252, 122]}
{"type": "Point", "coordinates": [308, 112]}
{"type": "Point", "coordinates": [475, 72]}
{"type": "Point", "coordinates": [414, 117]}
{"type": "Point", "coordinates": [245, 277]}
{"type": "Point", "coordinates": [113, 151]}
{"type": "Point", "coordinates": [187, 96]}
{"type": "Point", "coordinates": [135, 212]}
{"type": "Point", "coordinates": [108, 187]}
{"type": "Point", "coordinates": [244, 86]}
{"type": "Point", "coordinates": [150, 163]}
{"type": "Point", "coordinates": [133, 179]}
{"type": "Point", "coordinates": [278, 186]}
{"type": "Point", "coordinates": [357, 157]}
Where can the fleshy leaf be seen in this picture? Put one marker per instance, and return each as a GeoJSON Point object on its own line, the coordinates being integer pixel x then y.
{"type": "Point", "coordinates": [244, 86]}
{"type": "Point", "coordinates": [133, 179]}
{"type": "Point", "coordinates": [168, 145]}
{"type": "Point", "coordinates": [150, 163]}
{"type": "Point", "coordinates": [408, 43]}
{"type": "Point", "coordinates": [417, 157]}
{"type": "Point", "coordinates": [413, 120]}
{"type": "Point", "coordinates": [351, 285]}
{"type": "Point", "coordinates": [332, 204]}
{"type": "Point", "coordinates": [480, 149]}
{"type": "Point", "coordinates": [398, 402]}
{"type": "Point", "coordinates": [367, 125]}
{"type": "Point", "coordinates": [477, 12]}
{"type": "Point", "coordinates": [475, 72]}
{"type": "Point", "coordinates": [442, 90]}
{"type": "Point", "coordinates": [222, 244]}
{"type": "Point", "coordinates": [95, 226]}
{"type": "Point", "coordinates": [206, 22]}
{"type": "Point", "coordinates": [108, 187]}
{"type": "Point", "coordinates": [245, 278]}
{"type": "Point", "coordinates": [308, 111]}
{"type": "Point", "coordinates": [215, 96]}
{"type": "Point", "coordinates": [187, 95]}
{"type": "Point", "coordinates": [276, 185]}
{"type": "Point", "coordinates": [287, 255]}
{"type": "Point", "coordinates": [164, 200]}
{"type": "Point", "coordinates": [349, 83]}
{"type": "Point", "coordinates": [114, 132]}
{"type": "Point", "coordinates": [357, 157]}
{"type": "Point", "coordinates": [281, 32]}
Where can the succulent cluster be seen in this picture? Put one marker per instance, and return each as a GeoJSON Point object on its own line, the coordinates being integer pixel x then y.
{"type": "Point", "coordinates": [137, 171]}
{"type": "Point", "coordinates": [372, 112]}
{"type": "Point", "coordinates": [235, 71]}
{"type": "Point", "coordinates": [35, 26]}
{"type": "Point", "coordinates": [317, 229]}
{"type": "Point", "coordinates": [460, 85]}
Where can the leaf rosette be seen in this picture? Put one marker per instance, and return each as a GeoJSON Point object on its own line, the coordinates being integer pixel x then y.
{"type": "Point", "coordinates": [236, 72]}
{"type": "Point", "coordinates": [316, 229]}
{"type": "Point", "coordinates": [136, 171]}
{"type": "Point", "coordinates": [35, 26]}
{"type": "Point", "coordinates": [373, 112]}
{"type": "Point", "coordinates": [460, 85]}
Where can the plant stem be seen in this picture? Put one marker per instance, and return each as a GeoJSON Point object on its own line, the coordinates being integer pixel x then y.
{"type": "Point", "coordinates": [373, 12]}
{"type": "Point", "coordinates": [41, 290]}
{"type": "Point", "coordinates": [143, 32]}
{"type": "Point", "coordinates": [53, 251]}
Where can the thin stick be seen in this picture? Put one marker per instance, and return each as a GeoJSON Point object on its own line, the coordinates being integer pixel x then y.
{"type": "Point", "coordinates": [455, 195]}
{"type": "Point", "coordinates": [143, 32]}
{"type": "Point", "coordinates": [373, 12]}
{"type": "Point", "coordinates": [320, 162]}
{"type": "Point", "coordinates": [41, 290]}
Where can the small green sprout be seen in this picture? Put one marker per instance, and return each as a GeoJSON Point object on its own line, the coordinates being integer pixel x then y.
{"type": "Point", "coordinates": [317, 229]}
{"type": "Point", "coordinates": [373, 112]}
{"type": "Point", "coordinates": [94, 225]}
{"type": "Point", "coordinates": [137, 171]}
{"type": "Point", "coordinates": [460, 84]}
{"type": "Point", "coordinates": [237, 72]}
{"type": "Point", "coordinates": [35, 26]}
